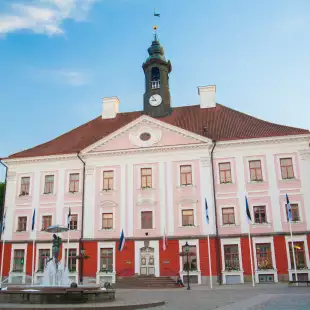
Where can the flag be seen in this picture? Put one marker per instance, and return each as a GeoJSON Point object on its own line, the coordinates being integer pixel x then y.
{"type": "Point", "coordinates": [207, 211]}
{"type": "Point", "coordinates": [288, 208]}
{"type": "Point", "coordinates": [121, 241]}
{"type": "Point", "coordinates": [69, 218]}
{"type": "Point", "coordinates": [248, 214]}
{"type": "Point", "coordinates": [33, 219]}
{"type": "Point", "coordinates": [156, 14]}
{"type": "Point", "coordinates": [165, 241]}
{"type": "Point", "coordinates": [3, 222]}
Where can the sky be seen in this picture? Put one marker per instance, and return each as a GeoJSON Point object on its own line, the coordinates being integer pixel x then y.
{"type": "Point", "coordinates": [59, 58]}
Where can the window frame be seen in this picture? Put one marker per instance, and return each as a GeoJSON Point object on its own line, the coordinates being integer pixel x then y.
{"type": "Point", "coordinates": [294, 204]}
{"type": "Point", "coordinates": [107, 219]}
{"type": "Point", "coordinates": [260, 256]}
{"type": "Point", "coordinates": [72, 260]}
{"type": "Point", "coordinates": [292, 165]}
{"type": "Point", "coordinates": [193, 259]}
{"type": "Point", "coordinates": [231, 172]}
{"type": "Point", "coordinates": [75, 181]}
{"type": "Point", "coordinates": [149, 221]}
{"type": "Point", "coordinates": [148, 178]}
{"type": "Point", "coordinates": [187, 175]}
{"type": "Point", "coordinates": [255, 211]}
{"type": "Point", "coordinates": [14, 265]}
{"type": "Point", "coordinates": [39, 258]}
{"type": "Point", "coordinates": [255, 169]}
{"type": "Point", "coordinates": [42, 220]}
{"type": "Point", "coordinates": [74, 224]}
{"type": "Point", "coordinates": [192, 219]}
{"type": "Point", "coordinates": [222, 214]}
{"type": "Point", "coordinates": [103, 257]}
{"type": "Point", "coordinates": [26, 224]}
{"type": "Point", "coordinates": [27, 193]}
{"type": "Point", "coordinates": [51, 184]}
{"type": "Point", "coordinates": [111, 180]}
{"type": "Point", "coordinates": [231, 257]}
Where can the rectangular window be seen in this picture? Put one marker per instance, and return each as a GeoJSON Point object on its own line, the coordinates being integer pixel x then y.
{"type": "Point", "coordinates": [287, 170]}
{"type": "Point", "coordinates": [188, 217]}
{"type": "Point", "coordinates": [71, 260]}
{"type": "Point", "coordinates": [106, 259]}
{"type": "Point", "coordinates": [46, 221]}
{"type": "Point", "coordinates": [74, 222]}
{"type": "Point", "coordinates": [24, 186]}
{"type": "Point", "coordinates": [44, 256]}
{"type": "Point", "coordinates": [228, 216]}
{"type": "Point", "coordinates": [49, 184]}
{"type": "Point", "coordinates": [22, 223]}
{"type": "Point", "coordinates": [18, 262]}
{"type": "Point", "coordinates": [186, 175]}
{"type": "Point", "coordinates": [74, 179]}
{"type": "Point", "coordinates": [259, 214]}
{"type": "Point", "coordinates": [146, 219]}
{"type": "Point", "coordinates": [231, 254]}
{"type": "Point", "coordinates": [108, 180]}
{"type": "Point", "coordinates": [107, 220]}
{"type": "Point", "coordinates": [263, 256]}
{"type": "Point", "coordinates": [146, 177]}
{"type": "Point", "coordinates": [191, 264]}
{"type": "Point", "coordinates": [225, 173]}
{"type": "Point", "coordinates": [294, 212]}
{"type": "Point", "coordinates": [300, 256]}
{"type": "Point", "coordinates": [256, 173]}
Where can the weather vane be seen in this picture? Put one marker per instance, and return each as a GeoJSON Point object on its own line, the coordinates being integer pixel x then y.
{"type": "Point", "coordinates": [155, 27]}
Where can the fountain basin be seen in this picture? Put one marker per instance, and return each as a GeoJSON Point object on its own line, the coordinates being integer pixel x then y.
{"type": "Point", "coordinates": [55, 295]}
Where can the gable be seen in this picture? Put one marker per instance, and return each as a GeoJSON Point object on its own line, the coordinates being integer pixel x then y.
{"type": "Point", "coordinates": [145, 133]}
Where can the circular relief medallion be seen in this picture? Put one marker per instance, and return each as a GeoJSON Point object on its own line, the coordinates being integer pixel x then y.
{"type": "Point", "coordinates": [145, 136]}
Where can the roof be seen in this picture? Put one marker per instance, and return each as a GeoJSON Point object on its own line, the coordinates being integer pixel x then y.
{"type": "Point", "coordinates": [221, 123]}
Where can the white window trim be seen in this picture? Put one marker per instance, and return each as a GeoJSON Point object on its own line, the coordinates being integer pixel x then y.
{"type": "Point", "coordinates": [232, 168]}
{"type": "Point", "coordinates": [186, 163]}
{"type": "Point", "coordinates": [16, 223]}
{"type": "Point", "coordinates": [153, 218]}
{"type": "Point", "coordinates": [106, 245]}
{"type": "Point", "coordinates": [75, 246]}
{"type": "Point", "coordinates": [114, 178]}
{"type": "Point", "coordinates": [268, 215]}
{"type": "Point", "coordinates": [296, 238]}
{"type": "Point", "coordinates": [146, 166]}
{"type": "Point", "coordinates": [237, 223]}
{"type": "Point", "coordinates": [263, 167]}
{"type": "Point", "coordinates": [77, 171]}
{"type": "Point", "coordinates": [192, 206]}
{"type": "Point", "coordinates": [18, 247]}
{"type": "Point", "coordinates": [292, 202]}
{"type": "Point", "coordinates": [294, 161]}
{"type": "Point", "coordinates": [43, 175]}
{"type": "Point", "coordinates": [273, 271]}
{"type": "Point", "coordinates": [107, 210]}
{"type": "Point", "coordinates": [41, 246]}
{"type": "Point", "coordinates": [232, 241]}
{"type": "Point", "coordinates": [198, 272]}
{"type": "Point", "coordinates": [24, 175]}
{"type": "Point", "coordinates": [78, 219]}
{"type": "Point", "coordinates": [41, 219]}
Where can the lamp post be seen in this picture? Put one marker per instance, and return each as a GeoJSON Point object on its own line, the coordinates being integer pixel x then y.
{"type": "Point", "coordinates": [82, 252]}
{"type": "Point", "coordinates": [186, 250]}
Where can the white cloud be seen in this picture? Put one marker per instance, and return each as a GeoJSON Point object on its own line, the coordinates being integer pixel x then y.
{"type": "Point", "coordinates": [74, 78]}
{"type": "Point", "coordinates": [43, 16]}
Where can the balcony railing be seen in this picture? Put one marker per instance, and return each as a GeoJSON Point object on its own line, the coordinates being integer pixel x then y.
{"type": "Point", "coordinates": [155, 84]}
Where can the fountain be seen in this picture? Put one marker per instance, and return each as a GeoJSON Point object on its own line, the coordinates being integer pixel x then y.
{"type": "Point", "coordinates": [56, 288]}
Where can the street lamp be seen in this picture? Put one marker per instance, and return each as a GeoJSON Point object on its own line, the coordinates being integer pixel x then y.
{"type": "Point", "coordinates": [82, 252]}
{"type": "Point", "coordinates": [186, 250]}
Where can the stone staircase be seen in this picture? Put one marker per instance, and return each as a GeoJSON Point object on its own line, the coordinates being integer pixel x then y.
{"type": "Point", "coordinates": [144, 282]}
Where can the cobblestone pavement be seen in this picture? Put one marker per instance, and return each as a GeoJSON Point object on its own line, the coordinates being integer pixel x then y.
{"type": "Point", "coordinates": [265, 297]}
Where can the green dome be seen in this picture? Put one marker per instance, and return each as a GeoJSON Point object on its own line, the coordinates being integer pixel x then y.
{"type": "Point", "coordinates": [156, 51]}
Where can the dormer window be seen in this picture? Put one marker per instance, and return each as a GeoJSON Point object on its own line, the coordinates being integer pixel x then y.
{"type": "Point", "coordinates": [155, 78]}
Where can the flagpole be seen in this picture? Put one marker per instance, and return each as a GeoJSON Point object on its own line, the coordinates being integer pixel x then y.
{"type": "Point", "coordinates": [293, 250]}
{"type": "Point", "coordinates": [68, 242]}
{"type": "Point", "coordinates": [33, 247]}
{"type": "Point", "coordinates": [251, 258]}
{"type": "Point", "coordinates": [210, 267]}
{"type": "Point", "coordinates": [2, 257]}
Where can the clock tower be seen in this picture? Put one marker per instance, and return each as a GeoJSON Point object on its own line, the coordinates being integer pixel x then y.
{"type": "Point", "coordinates": [156, 69]}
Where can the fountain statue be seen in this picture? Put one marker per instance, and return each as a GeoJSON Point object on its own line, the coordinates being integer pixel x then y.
{"type": "Point", "coordinates": [55, 249]}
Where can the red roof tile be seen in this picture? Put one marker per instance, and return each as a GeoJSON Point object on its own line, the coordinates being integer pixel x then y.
{"type": "Point", "coordinates": [221, 123]}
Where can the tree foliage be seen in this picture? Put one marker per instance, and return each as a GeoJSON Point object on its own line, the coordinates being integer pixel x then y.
{"type": "Point", "coordinates": [2, 189]}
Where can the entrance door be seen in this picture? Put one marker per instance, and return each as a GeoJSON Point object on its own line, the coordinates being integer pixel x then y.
{"type": "Point", "coordinates": [147, 261]}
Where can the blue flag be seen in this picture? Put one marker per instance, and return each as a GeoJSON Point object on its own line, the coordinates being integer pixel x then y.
{"type": "Point", "coordinates": [69, 218]}
{"type": "Point", "coordinates": [288, 208]}
{"type": "Point", "coordinates": [156, 14]}
{"type": "Point", "coordinates": [207, 211]}
{"type": "Point", "coordinates": [3, 222]}
{"type": "Point", "coordinates": [121, 241]}
{"type": "Point", "coordinates": [33, 219]}
{"type": "Point", "coordinates": [247, 210]}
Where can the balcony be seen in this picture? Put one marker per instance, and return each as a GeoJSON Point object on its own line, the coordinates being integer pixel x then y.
{"type": "Point", "coordinates": [155, 84]}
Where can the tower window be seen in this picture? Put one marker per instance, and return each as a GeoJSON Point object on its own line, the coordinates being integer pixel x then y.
{"type": "Point", "coordinates": [155, 78]}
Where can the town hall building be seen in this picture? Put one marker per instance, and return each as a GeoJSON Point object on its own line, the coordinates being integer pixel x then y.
{"type": "Point", "coordinates": [154, 174]}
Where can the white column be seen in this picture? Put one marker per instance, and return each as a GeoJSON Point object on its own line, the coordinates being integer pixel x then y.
{"type": "Point", "coordinates": [131, 189]}
{"type": "Point", "coordinates": [123, 198]}
{"type": "Point", "coordinates": [60, 198]}
{"type": "Point", "coordinates": [9, 204]}
{"type": "Point", "coordinates": [162, 197]}
{"type": "Point", "coordinates": [206, 192]}
{"type": "Point", "coordinates": [170, 203]}
{"type": "Point", "coordinates": [89, 204]}
{"type": "Point", "coordinates": [274, 193]}
{"type": "Point", "coordinates": [305, 182]}
{"type": "Point", "coordinates": [36, 192]}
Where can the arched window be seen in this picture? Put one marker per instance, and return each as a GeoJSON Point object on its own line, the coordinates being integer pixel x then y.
{"type": "Point", "coordinates": [155, 74]}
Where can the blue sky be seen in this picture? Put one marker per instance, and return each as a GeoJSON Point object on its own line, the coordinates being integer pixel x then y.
{"type": "Point", "coordinates": [58, 58]}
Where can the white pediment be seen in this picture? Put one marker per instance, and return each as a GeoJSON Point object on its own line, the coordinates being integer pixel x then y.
{"type": "Point", "coordinates": [107, 203]}
{"type": "Point", "coordinates": [187, 200]}
{"type": "Point", "coordinates": [146, 202]}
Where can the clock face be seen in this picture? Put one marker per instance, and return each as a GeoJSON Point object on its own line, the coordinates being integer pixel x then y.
{"type": "Point", "coordinates": [155, 100]}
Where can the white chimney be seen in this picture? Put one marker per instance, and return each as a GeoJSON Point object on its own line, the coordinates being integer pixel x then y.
{"type": "Point", "coordinates": [207, 96]}
{"type": "Point", "coordinates": [109, 107]}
